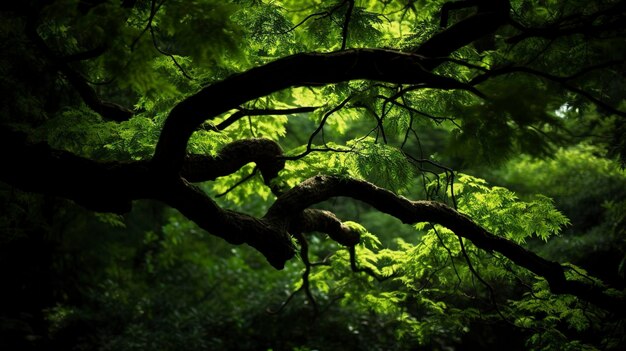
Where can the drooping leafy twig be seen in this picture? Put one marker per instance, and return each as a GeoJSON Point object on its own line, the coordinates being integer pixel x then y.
{"type": "Point", "coordinates": [106, 109]}
{"type": "Point", "coordinates": [346, 24]}
{"type": "Point", "coordinates": [563, 81]}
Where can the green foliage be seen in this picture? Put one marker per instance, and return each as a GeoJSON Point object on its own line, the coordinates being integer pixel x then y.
{"type": "Point", "coordinates": [516, 118]}
{"type": "Point", "coordinates": [413, 298]}
{"type": "Point", "coordinates": [151, 279]}
{"type": "Point", "coordinates": [499, 210]}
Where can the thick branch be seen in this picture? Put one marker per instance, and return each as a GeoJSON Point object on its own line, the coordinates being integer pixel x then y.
{"type": "Point", "coordinates": [264, 152]}
{"type": "Point", "coordinates": [296, 70]}
{"type": "Point", "coordinates": [112, 186]}
{"type": "Point", "coordinates": [321, 188]}
{"type": "Point", "coordinates": [312, 220]}
{"type": "Point", "coordinates": [269, 238]}
{"type": "Point", "coordinates": [490, 15]}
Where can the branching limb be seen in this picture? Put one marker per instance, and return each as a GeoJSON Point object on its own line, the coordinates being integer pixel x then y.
{"type": "Point", "coordinates": [321, 188]}
{"type": "Point", "coordinates": [313, 220]}
{"type": "Point", "coordinates": [563, 81]}
{"type": "Point", "coordinates": [346, 24]}
{"type": "Point", "coordinates": [244, 112]}
{"type": "Point", "coordinates": [264, 152]}
{"type": "Point", "coordinates": [108, 110]}
{"type": "Point", "coordinates": [295, 70]}
{"type": "Point", "coordinates": [111, 187]}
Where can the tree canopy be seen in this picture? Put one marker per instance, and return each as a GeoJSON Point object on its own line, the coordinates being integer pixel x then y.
{"type": "Point", "coordinates": [346, 143]}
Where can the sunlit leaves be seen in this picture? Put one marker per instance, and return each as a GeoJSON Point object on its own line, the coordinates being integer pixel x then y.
{"type": "Point", "coordinates": [267, 28]}
{"type": "Point", "coordinates": [433, 287]}
{"type": "Point", "coordinates": [380, 164]}
{"type": "Point", "coordinates": [419, 272]}
{"type": "Point", "coordinates": [243, 190]}
{"type": "Point", "coordinates": [500, 210]}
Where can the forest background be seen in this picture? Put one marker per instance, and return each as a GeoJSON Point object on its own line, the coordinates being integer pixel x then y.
{"type": "Point", "coordinates": [312, 175]}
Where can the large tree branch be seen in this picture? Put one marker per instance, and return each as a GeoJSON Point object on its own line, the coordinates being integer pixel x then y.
{"type": "Point", "coordinates": [321, 188]}
{"type": "Point", "coordinates": [112, 186]}
{"type": "Point", "coordinates": [325, 68]}
{"type": "Point", "coordinates": [296, 70]}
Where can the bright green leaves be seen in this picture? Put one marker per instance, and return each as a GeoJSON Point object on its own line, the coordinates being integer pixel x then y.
{"type": "Point", "coordinates": [319, 28]}
{"type": "Point", "coordinates": [268, 31]}
{"type": "Point", "coordinates": [430, 283]}
{"type": "Point", "coordinates": [243, 190]}
{"type": "Point", "coordinates": [363, 29]}
{"type": "Point", "coordinates": [380, 164]}
{"type": "Point", "coordinates": [361, 158]}
{"type": "Point", "coordinates": [500, 211]}
{"type": "Point", "coordinates": [572, 172]}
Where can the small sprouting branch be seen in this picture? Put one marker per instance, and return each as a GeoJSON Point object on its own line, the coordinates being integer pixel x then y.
{"type": "Point", "coordinates": [346, 23]}
{"type": "Point", "coordinates": [245, 112]}
{"type": "Point", "coordinates": [564, 81]}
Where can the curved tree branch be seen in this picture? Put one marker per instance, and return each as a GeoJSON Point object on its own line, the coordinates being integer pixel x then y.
{"type": "Point", "coordinates": [112, 186]}
{"type": "Point", "coordinates": [321, 188]}
{"type": "Point", "coordinates": [325, 68]}
{"type": "Point", "coordinates": [267, 154]}
{"type": "Point", "coordinates": [295, 70]}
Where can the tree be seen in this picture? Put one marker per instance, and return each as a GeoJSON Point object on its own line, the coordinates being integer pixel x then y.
{"type": "Point", "coordinates": [106, 103]}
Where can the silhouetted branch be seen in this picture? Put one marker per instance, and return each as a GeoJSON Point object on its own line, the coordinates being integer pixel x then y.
{"type": "Point", "coordinates": [563, 81]}
{"type": "Point", "coordinates": [108, 110]}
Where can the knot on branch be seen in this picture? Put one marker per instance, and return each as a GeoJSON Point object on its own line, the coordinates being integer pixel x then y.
{"type": "Point", "coordinates": [311, 220]}
{"type": "Point", "coordinates": [269, 239]}
{"type": "Point", "coordinates": [264, 152]}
